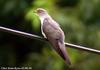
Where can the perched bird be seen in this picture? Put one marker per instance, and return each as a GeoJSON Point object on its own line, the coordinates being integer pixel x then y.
{"type": "Point", "coordinates": [52, 31]}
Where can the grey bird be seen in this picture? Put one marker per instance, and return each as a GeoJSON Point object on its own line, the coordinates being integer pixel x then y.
{"type": "Point", "coordinates": [54, 34]}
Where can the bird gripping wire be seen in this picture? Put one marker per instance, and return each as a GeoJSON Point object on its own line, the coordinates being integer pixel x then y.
{"type": "Point", "coordinates": [33, 36]}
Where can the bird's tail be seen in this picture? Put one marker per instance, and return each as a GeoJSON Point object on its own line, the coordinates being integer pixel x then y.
{"type": "Point", "coordinates": [60, 48]}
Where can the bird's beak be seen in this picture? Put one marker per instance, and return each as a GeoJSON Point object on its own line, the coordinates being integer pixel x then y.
{"type": "Point", "coordinates": [34, 11]}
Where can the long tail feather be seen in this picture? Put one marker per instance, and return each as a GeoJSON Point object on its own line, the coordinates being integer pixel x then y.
{"type": "Point", "coordinates": [62, 52]}
{"type": "Point", "coordinates": [60, 49]}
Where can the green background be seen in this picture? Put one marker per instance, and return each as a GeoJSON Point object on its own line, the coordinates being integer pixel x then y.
{"type": "Point", "coordinates": [79, 19]}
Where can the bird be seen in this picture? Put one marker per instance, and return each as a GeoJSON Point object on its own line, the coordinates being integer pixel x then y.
{"type": "Point", "coordinates": [52, 31]}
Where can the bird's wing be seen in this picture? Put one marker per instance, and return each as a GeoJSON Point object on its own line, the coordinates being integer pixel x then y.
{"type": "Point", "coordinates": [55, 36]}
{"type": "Point", "coordinates": [52, 29]}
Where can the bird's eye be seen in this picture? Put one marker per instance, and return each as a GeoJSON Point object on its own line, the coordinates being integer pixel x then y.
{"type": "Point", "coordinates": [40, 11]}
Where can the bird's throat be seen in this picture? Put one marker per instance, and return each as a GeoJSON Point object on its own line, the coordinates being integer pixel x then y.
{"type": "Point", "coordinates": [42, 17]}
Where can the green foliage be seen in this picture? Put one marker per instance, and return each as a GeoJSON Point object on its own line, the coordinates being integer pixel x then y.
{"type": "Point", "coordinates": [80, 20]}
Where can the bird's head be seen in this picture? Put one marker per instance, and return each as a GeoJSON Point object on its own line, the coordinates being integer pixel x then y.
{"type": "Point", "coordinates": [41, 12]}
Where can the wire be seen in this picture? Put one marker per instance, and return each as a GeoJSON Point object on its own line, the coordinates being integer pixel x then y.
{"type": "Point", "coordinates": [33, 36]}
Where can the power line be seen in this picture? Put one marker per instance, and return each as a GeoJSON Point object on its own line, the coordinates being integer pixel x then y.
{"type": "Point", "coordinates": [33, 36]}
